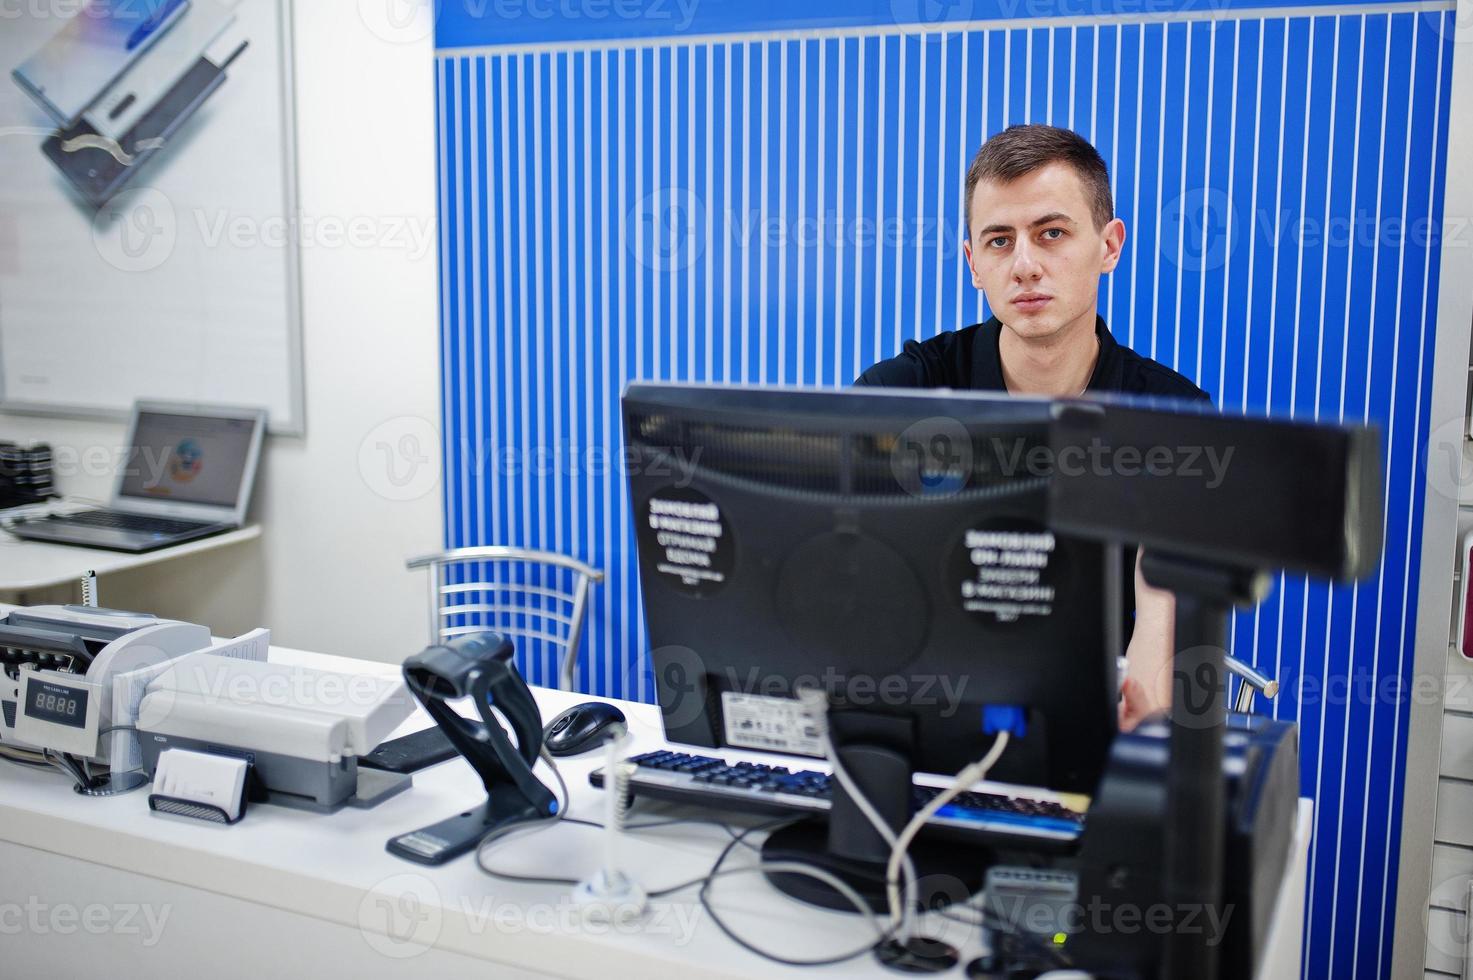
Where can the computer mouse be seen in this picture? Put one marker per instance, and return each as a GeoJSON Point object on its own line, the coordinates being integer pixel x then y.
{"type": "Point", "coordinates": [583, 727]}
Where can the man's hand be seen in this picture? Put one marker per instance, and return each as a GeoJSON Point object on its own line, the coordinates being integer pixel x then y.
{"type": "Point", "coordinates": [1136, 704]}
{"type": "Point", "coordinates": [1149, 659]}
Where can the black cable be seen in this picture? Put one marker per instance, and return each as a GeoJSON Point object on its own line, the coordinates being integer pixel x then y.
{"type": "Point", "coordinates": [542, 824]}
{"type": "Point", "coordinates": [704, 898]}
{"type": "Point", "coordinates": [736, 839]}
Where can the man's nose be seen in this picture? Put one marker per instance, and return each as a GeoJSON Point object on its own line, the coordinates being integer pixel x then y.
{"type": "Point", "coordinates": [1026, 267]}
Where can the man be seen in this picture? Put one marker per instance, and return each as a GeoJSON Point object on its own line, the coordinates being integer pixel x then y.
{"type": "Point", "coordinates": [1041, 231]}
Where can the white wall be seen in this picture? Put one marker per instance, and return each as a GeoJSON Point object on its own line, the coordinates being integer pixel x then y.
{"type": "Point", "coordinates": [328, 572]}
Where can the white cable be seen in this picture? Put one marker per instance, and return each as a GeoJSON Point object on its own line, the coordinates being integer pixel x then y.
{"type": "Point", "coordinates": [971, 774]}
{"type": "Point", "coordinates": [900, 911]}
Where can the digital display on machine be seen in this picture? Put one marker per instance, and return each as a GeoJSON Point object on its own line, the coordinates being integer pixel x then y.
{"type": "Point", "coordinates": [57, 703]}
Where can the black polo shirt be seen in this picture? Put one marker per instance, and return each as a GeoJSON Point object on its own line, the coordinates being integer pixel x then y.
{"type": "Point", "coordinates": [968, 359]}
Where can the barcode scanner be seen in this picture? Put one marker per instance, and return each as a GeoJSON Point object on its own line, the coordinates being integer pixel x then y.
{"type": "Point", "coordinates": [479, 666]}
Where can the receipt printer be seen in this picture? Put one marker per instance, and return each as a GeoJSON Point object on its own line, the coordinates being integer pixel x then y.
{"type": "Point", "coordinates": [299, 730]}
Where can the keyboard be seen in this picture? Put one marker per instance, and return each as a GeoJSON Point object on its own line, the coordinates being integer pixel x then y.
{"type": "Point", "coordinates": [122, 521]}
{"type": "Point", "coordinates": [755, 788]}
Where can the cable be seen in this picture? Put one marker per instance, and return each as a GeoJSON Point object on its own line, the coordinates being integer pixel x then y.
{"type": "Point", "coordinates": [498, 835]}
{"type": "Point", "coordinates": [736, 838]}
{"type": "Point", "coordinates": [792, 867]}
{"type": "Point", "coordinates": [964, 779]}
{"type": "Point", "coordinates": [739, 837]}
{"type": "Point", "coordinates": [900, 910]}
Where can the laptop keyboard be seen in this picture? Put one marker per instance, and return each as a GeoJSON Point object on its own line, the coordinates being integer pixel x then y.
{"type": "Point", "coordinates": [117, 520]}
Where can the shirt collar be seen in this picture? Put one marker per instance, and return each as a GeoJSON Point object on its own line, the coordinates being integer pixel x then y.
{"type": "Point", "coordinates": [987, 360]}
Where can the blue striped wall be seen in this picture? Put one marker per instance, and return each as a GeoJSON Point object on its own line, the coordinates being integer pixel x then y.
{"type": "Point", "coordinates": [786, 208]}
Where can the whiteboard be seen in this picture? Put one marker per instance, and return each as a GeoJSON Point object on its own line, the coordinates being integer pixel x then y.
{"type": "Point", "coordinates": [185, 284]}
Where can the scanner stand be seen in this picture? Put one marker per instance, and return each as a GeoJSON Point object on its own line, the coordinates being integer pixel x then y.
{"type": "Point", "coordinates": [479, 666]}
{"type": "Point", "coordinates": [1194, 824]}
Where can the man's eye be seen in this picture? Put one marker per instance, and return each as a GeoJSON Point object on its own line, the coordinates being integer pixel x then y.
{"type": "Point", "coordinates": [1053, 234]}
{"type": "Point", "coordinates": [999, 242]}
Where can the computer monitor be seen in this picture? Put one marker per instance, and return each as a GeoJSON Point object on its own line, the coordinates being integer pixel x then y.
{"type": "Point", "coordinates": [890, 548]}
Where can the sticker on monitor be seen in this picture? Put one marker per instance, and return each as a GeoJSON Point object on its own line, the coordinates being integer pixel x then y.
{"type": "Point", "coordinates": [684, 538]}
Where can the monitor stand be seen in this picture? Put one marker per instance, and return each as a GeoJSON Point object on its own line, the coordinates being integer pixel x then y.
{"type": "Point", "coordinates": [875, 750]}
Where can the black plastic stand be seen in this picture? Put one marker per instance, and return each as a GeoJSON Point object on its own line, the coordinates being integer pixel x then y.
{"type": "Point", "coordinates": [479, 666]}
{"type": "Point", "coordinates": [1194, 799]}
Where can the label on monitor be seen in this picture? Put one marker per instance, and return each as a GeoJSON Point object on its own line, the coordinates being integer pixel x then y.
{"type": "Point", "coordinates": [1006, 570]}
{"type": "Point", "coordinates": [754, 721]}
{"type": "Point", "coordinates": [683, 536]}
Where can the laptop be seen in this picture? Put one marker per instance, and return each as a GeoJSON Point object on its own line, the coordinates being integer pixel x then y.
{"type": "Point", "coordinates": [188, 474]}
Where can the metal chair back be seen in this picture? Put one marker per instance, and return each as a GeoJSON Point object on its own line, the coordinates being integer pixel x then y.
{"type": "Point", "coordinates": [1251, 682]}
{"type": "Point", "coordinates": [526, 594]}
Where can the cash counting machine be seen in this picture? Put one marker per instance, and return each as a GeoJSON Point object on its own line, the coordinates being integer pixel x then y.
{"type": "Point", "coordinates": [58, 693]}
{"type": "Point", "coordinates": [85, 686]}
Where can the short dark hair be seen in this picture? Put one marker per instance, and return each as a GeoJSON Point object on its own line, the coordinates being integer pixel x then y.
{"type": "Point", "coordinates": [1020, 150]}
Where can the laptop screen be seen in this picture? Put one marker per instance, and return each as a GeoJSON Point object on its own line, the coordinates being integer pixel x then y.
{"type": "Point", "coordinates": [188, 459]}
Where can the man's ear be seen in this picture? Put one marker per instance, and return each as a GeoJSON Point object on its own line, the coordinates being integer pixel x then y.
{"type": "Point", "coordinates": [1114, 235]}
{"type": "Point", "coordinates": [971, 266]}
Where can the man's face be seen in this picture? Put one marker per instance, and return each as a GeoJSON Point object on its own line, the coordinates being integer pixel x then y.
{"type": "Point", "coordinates": [1035, 251]}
